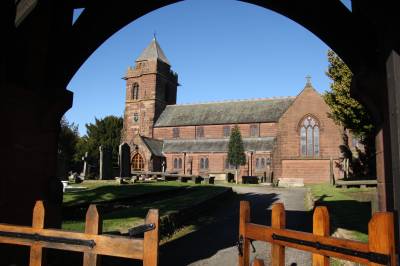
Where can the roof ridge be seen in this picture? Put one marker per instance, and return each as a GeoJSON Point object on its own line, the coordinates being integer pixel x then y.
{"type": "Point", "coordinates": [236, 100]}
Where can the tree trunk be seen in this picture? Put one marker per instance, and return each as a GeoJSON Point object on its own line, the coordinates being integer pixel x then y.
{"type": "Point", "coordinates": [236, 176]}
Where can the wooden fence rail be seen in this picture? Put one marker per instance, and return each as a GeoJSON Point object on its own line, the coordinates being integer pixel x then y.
{"type": "Point", "coordinates": [92, 243]}
{"type": "Point", "coordinates": [380, 249]}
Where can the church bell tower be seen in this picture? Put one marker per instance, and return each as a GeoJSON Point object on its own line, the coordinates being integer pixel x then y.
{"type": "Point", "coordinates": [151, 85]}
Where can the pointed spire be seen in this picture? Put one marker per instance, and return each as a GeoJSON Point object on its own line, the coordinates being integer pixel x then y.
{"type": "Point", "coordinates": [153, 52]}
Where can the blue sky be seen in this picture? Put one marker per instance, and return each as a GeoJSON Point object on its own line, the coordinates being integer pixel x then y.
{"type": "Point", "coordinates": [221, 50]}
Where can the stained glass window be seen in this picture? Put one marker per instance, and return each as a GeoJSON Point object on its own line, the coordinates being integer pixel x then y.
{"type": "Point", "coordinates": [309, 137]}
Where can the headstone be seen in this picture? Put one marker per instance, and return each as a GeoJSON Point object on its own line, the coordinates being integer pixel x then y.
{"type": "Point", "coordinates": [85, 166]}
{"type": "Point", "coordinates": [124, 160]}
{"type": "Point", "coordinates": [163, 166]}
{"type": "Point", "coordinates": [105, 163]}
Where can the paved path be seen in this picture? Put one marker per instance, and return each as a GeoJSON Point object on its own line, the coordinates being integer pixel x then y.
{"type": "Point", "coordinates": [214, 244]}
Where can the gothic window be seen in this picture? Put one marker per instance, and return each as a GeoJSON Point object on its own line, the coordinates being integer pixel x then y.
{"type": "Point", "coordinates": [137, 162]}
{"type": "Point", "coordinates": [135, 91]}
{"type": "Point", "coordinates": [309, 137]}
{"type": "Point", "coordinates": [203, 163]}
{"type": "Point", "coordinates": [175, 132]}
{"type": "Point", "coordinates": [227, 131]}
{"type": "Point", "coordinates": [200, 132]}
{"type": "Point", "coordinates": [254, 132]}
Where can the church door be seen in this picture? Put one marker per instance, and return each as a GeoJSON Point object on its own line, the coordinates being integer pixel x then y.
{"type": "Point", "coordinates": [137, 162]}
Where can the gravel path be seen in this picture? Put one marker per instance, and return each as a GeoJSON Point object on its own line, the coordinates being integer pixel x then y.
{"type": "Point", "coordinates": [215, 244]}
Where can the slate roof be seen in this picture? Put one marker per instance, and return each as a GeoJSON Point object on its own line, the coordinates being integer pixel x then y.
{"type": "Point", "coordinates": [153, 52]}
{"type": "Point", "coordinates": [232, 112]}
{"type": "Point", "coordinates": [155, 146]}
{"type": "Point", "coordinates": [217, 145]}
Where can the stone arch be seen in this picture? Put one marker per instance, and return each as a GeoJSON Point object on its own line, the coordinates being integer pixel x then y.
{"type": "Point", "coordinates": [138, 162]}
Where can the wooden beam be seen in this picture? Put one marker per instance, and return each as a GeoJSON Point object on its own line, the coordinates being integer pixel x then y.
{"type": "Point", "coordinates": [105, 244]}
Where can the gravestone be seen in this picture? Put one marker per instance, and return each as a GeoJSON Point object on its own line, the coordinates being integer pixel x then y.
{"type": "Point", "coordinates": [163, 166]}
{"type": "Point", "coordinates": [124, 160]}
{"type": "Point", "coordinates": [85, 166]}
{"type": "Point", "coordinates": [105, 163]}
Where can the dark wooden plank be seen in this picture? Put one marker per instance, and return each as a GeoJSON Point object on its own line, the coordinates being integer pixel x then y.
{"type": "Point", "coordinates": [93, 225]}
{"type": "Point", "coordinates": [320, 228]}
{"type": "Point", "coordinates": [278, 220]}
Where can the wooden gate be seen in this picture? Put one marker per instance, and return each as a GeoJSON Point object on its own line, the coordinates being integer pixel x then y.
{"type": "Point", "coordinates": [380, 249]}
{"type": "Point", "coordinates": [92, 242]}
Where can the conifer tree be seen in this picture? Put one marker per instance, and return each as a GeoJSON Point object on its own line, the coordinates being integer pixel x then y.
{"type": "Point", "coordinates": [350, 114]}
{"type": "Point", "coordinates": [236, 155]}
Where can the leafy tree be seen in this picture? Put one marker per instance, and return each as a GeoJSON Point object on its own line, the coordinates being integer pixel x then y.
{"type": "Point", "coordinates": [67, 145]}
{"type": "Point", "coordinates": [352, 115]}
{"type": "Point", "coordinates": [104, 132]}
{"type": "Point", "coordinates": [236, 154]}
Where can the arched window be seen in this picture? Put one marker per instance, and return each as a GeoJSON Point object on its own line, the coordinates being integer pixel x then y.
{"type": "Point", "coordinates": [137, 162]}
{"type": "Point", "coordinates": [309, 137]}
{"type": "Point", "coordinates": [135, 91]}
{"type": "Point", "coordinates": [180, 163]}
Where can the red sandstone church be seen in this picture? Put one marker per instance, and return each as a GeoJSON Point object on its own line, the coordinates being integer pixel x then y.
{"type": "Point", "coordinates": [290, 137]}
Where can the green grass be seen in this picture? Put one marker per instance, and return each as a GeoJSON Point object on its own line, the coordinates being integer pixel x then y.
{"type": "Point", "coordinates": [345, 210]}
{"type": "Point", "coordinates": [100, 191]}
{"type": "Point", "coordinates": [122, 220]}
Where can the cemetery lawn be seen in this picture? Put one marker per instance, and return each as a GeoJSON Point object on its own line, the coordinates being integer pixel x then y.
{"type": "Point", "coordinates": [349, 208]}
{"type": "Point", "coordinates": [122, 219]}
{"type": "Point", "coordinates": [102, 191]}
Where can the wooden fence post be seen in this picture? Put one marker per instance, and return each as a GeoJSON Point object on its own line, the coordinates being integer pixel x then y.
{"type": "Point", "coordinates": [93, 225]}
{"type": "Point", "coordinates": [381, 235]}
{"type": "Point", "coordinates": [320, 228]}
{"type": "Point", "coordinates": [278, 221]}
{"type": "Point", "coordinates": [151, 239]}
{"type": "Point", "coordinates": [244, 217]}
{"type": "Point", "coordinates": [36, 253]}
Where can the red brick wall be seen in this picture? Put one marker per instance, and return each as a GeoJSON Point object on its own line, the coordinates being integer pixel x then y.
{"type": "Point", "coordinates": [288, 137]}
{"type": "Point", "coordinates": [312, 171]}
{"type": "Point", "coordinates": [215, 131]}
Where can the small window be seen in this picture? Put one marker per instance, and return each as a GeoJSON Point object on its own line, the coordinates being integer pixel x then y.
{"type": "Point", "coordinates": [178, 163]}
{"type": "Point", "coordinates": [227, 131]}
{"type": "Point", "coordinates": [135, 91]}
{"type": "Point", "coordinates": [262, 162]}
{"type": "Point", "coordinates": [175, 132]}
{"type": "Point", "coordinates": [203, 163]}
{"type": "Point", "coordinates": [200, 132]}
{"type": "Point", "coordinates": [254, 132]}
